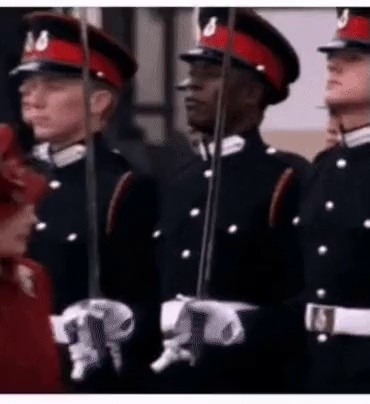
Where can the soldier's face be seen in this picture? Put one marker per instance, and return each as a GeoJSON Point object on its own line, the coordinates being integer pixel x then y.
{"type": "Point", "coordinates": [242, 92]}
{"type": "Point", "coordinates": [15, 231]}
{"type": "Point", "coordinates": [202, 89]}
{"type": "Point", "coordinates": [201, 94]}
{"type": "Point", "coordinates": [53, 106]}
{"type": "Point", "coordinates": [348, 79]}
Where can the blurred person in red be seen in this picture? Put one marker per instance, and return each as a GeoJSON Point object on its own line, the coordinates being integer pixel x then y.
{"type": "Point", "coordinates": [28, 356]}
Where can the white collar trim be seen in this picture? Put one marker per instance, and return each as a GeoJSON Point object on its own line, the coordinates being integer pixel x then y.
{"type": "Point", "coordinates": [230, 145]}
{"type": "Point", "coordinates": [61, 158]}
{"type": "Point", "coordinates": [357, 137]}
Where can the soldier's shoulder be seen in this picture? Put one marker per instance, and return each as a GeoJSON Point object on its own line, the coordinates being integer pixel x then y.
{"type": "Point", "coordinates": [135, 185]}
{"type": "Point", "coordinates": [132, 193]}
{"type": "Point", "coordinates": [287, 160]}
{"type": "Point", "coordinates": [323, 155]}
{"type": "Point", "coordinates": [112, 169]}
{"type": "Point", "coordinates": [116, 159]}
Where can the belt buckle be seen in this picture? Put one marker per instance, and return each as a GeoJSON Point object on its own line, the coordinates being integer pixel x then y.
{"type": "Point", "coordinates": [322, 319]}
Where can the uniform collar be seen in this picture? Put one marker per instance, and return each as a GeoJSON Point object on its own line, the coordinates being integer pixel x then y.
{"type": "Point", "coordinates": [69, 155]}
{"type": "Point", "coordinates": [357, 137]}
{"type": "Point", "coordinates": [231, 144]}
{"type": "Point", "coordinates": [61, 158]}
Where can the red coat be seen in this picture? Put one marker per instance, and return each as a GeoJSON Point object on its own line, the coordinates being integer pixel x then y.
{"type": "Point", "coordinates": [29, 360]}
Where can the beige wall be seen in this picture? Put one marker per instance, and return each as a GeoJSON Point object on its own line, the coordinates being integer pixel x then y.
{"type": "Point", "coordinates": [306, 29]}
{"type": "Point", "coordinates": [305, 142]}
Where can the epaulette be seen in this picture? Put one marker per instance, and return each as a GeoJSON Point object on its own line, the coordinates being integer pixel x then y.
{"type": "Point", "coordinates": [281, 187]}
{"type": "Point", "coordinates": [121, 188]}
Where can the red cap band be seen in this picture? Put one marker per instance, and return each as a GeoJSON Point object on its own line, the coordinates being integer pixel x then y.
{"type": "Point", "coordinates": [356, 28]}
{"type": "Point", "coordinates": [69, 53]}
{"type": "Point", "coordinates": [250, 50]}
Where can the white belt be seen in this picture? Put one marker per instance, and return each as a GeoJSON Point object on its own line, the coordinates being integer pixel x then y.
{"type": "Point", "coordinates": [337, 320]}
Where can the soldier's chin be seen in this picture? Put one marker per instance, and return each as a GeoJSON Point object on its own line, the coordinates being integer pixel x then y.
{"type": "Point", "coordinates": [42, 133]}
{"type": "Point", "coordinates": [200, 125]}
{"type": "Point", "coordinates": [334, 99]}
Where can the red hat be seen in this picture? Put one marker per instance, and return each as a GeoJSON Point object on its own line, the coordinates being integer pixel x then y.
{"type": "Point", "coordinates": [19, 184]}
{"type": "Point", "coordinates": [257, 46]}
{"type": "Point", "coordinates": [53, 45]}
{"type": "Point", "coordinates": [353, 30]}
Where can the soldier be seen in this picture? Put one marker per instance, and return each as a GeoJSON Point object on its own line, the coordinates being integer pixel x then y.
{"type": "Point", "coordinates": [257, 263]}
{"type": "Point", "coordinates": [335, 221]}
{"type": "Point", "coordinates": [52, 102]}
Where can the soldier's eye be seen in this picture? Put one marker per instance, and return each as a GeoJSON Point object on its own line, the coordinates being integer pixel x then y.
{"type": "Point", "coordinates": [352, 56]}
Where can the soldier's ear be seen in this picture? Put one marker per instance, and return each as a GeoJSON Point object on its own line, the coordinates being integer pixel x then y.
{"type": "Point", "coordinates": [246, 88]}
{"type": "Point", "coordinates": [252, 93]}
{"type": "Point", "coordinates": [101, 101]}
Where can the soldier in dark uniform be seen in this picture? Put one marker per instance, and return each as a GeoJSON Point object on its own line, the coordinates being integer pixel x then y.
{"type": "Point", "coordinates": [51, 91]}
{"type": "Point", "coordinates": [257, 262]}
{"type": "Point", "coordinates": [335, 221]}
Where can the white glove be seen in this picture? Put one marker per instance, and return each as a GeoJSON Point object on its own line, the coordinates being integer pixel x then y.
{"type": "Point", "coordinates": [95, 328]}
{"type": "Point", "coordinates": [176, 330]}
{"type": "Point", "coordinates": [222, 325]}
